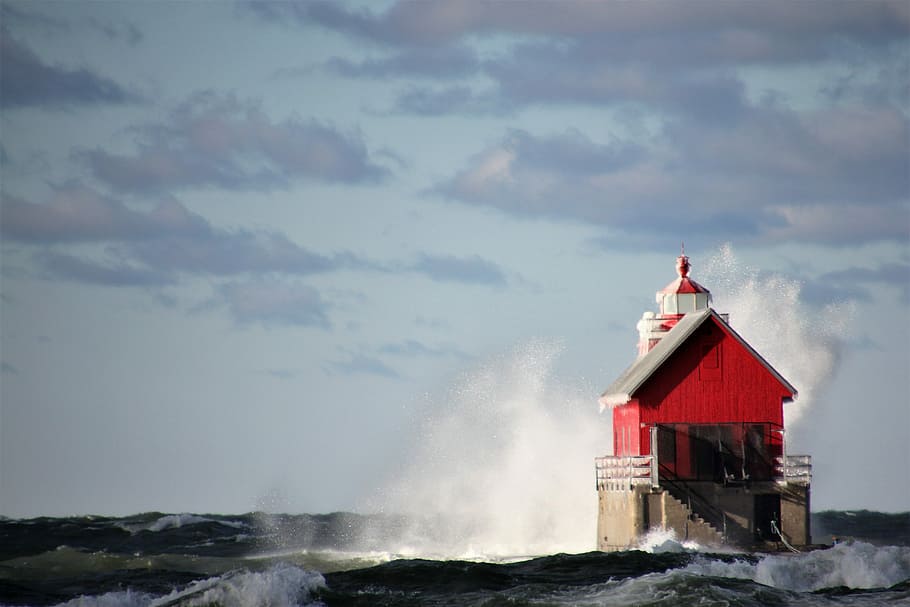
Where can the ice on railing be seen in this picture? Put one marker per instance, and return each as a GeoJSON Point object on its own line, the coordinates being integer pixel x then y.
{"type": "Point", "coordinates": [794, 468]}
{"type": "Point", "coordinates": [622, 472]}
{"type": "Point", "coordinates": [619, 472]}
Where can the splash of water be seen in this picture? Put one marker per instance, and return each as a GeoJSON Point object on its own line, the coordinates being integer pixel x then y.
{"type": "Point", "coordinates": [661, 540]}
{"type": "Point", "coordinates": [852, 565]}
{"type": "Point", "coordinates": [504, 464]}
{"type": "Point", "coordinates": [804, 345]}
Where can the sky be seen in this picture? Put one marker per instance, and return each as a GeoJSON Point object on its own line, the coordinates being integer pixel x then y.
{"type": "Point", "coordinates": [250, 249]}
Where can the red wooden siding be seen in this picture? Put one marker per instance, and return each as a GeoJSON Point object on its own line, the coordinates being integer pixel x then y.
{"type": "Point", "coordinates": [626, 435]}
{"type": "Point", "coordinates": [711, 379]}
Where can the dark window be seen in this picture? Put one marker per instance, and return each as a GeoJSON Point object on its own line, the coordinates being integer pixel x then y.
{"type": "Point", "coordinates": [666, 445]}
{"type": "Point", "coordinates": [702, 444]}
{"type": "Point", "coordinates": [767, 509]}
{"type": "Point", "coordinates": [758, 452]}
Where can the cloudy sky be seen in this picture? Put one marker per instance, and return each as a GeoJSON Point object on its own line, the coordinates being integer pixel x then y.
{"type": "Point", "coordinates": [245, 244]}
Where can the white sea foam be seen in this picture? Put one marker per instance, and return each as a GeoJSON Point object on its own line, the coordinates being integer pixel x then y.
{"type": "Point", "coordinates": [853, 565]}
{"type": "Point", "coordinates": [665, 540]}
{"type": "Point", "coordinates": [125, 598]}
{"type": "Point", "coordinates": [282, 585]}
{"type": "Point", "coordinates": [857, 566]}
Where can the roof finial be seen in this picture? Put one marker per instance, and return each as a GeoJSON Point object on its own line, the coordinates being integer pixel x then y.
{"type": "Point", "coordinates": [682, 262]}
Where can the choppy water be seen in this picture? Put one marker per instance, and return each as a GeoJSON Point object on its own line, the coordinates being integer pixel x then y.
{"type": "Point", "coordinates": [162, 560]}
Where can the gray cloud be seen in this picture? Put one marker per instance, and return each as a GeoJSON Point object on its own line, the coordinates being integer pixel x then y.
{"type": "Point", "coordinates": [282, 374]}
{"type": "Point", "coordinates": [821, 292]}
{"type": "Point", "coordinates": [8, 369]}
{"type": "Point", "coordinates": [27, 81]}
{"type": "Point", "coordinates": [747, 24]}
{"type": "Point", "coordinates": [109, 274]}
{"type": "Point", "coordinates": [274, 302]}
{"type": "Point", "coordinates": [411, 348]}
{"type": "Point", "coordinates": [362, 364]}
{"type": "Point", "coordinates": [154, 246]}
{"type": "Point", "coordinates": [831, 155]}
{"type": "Point", "coordinates": [440, 62]}
{"type": "Point", "coordinates": [656, 54]}
{"type": "Point", "coordinates": [853, 285]}
{"type": "Point", "coordinates": [367, 362]}
{"type": "Point", "coordinates": [457, 99]}
{"type": "Point", "coordinates": [470, 270]}
{"type": "Point", "coordinates": [888, 87]}
{"type": "Point", "coordinates": [889, 275]}
{"type": "Point", "coordinates": [157, 246]}
{"type": "Point", "coordinates": [224, 142]}
{"type": "Point", "coordinates": [14, 15]}
{"type": "Point", "coordinates": [77, 213]}
{"type": "Point", "coordinates": [832, 176]}
{"type": "Point", "coordinates": [555, 73]}
{"type": "Point", "coordinates": [128, 32]}
{"type": "Point", "coordinates": [522, 81]}
{"type": "Point", "coordinates": [223, 252]}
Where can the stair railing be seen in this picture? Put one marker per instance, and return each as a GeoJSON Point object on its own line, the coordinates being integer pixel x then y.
{"type": "Point", "coordinates": [697, 503]}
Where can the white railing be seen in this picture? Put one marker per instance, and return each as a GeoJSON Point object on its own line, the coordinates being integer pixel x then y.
{"type": "Point", "coordinates": [622, 472]}
{"type": "Point", "coordinates": [794, 469]}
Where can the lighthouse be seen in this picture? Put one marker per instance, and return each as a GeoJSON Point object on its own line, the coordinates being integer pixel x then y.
{"type": "Point", "coordinates": [698, 435]}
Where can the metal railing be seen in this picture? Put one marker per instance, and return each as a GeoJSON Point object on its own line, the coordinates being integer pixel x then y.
{"type": "Point", "coordinates": [622, 472]}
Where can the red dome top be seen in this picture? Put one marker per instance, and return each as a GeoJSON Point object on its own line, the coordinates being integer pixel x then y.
{"type": "Point", "coordinates": [683, 284]}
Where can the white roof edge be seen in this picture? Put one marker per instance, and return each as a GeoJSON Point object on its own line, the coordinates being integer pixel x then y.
{"type": "Point", "coordinates": [641, 369]}
{"type": "Point", "coordinates": [614, 400]}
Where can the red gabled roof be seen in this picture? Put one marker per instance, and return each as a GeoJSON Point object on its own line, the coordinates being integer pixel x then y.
{"type": "Point", "coordinates": [632, 379]}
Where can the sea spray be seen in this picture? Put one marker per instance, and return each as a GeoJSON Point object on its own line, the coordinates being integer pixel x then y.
{"type": "Point", "coordinates": [659, 540]}
{"type": "Point", "coordinates": [848, 565]}
{"type": "Point", "coordinates": [804, 345]}
{"type": "Point", "coordinates": [504, 463]}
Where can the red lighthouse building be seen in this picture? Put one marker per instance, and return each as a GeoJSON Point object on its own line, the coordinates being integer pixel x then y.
{"type": "Point", "coordinates": [698, 435]}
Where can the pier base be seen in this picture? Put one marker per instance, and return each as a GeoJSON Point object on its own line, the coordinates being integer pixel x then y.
{"type": "Point", "coordinates": [738, 516]}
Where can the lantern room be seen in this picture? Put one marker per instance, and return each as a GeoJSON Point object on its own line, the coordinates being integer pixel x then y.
{"type": "Point", "coordinates": [680, 297]}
